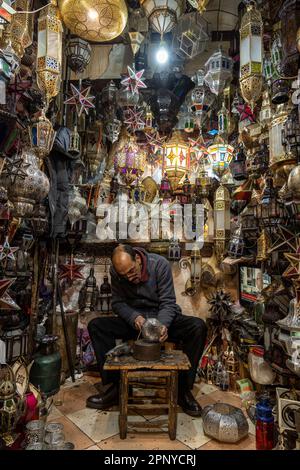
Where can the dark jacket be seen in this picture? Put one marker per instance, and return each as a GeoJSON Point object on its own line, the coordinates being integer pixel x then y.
{"type": "Point", "coordinates": [152, 298]}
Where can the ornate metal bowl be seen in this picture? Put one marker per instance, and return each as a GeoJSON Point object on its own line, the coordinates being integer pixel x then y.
{"type": "Point", "coordinates": [224, 422]}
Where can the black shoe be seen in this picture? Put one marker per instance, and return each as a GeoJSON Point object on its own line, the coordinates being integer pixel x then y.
{"type": "Point", "coordinates": [188, 404]}
{"type": "Point", "coordinates": [104, 400]}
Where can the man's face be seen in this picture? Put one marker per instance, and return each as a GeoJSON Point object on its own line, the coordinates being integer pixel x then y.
{"type": "Point", "coordinates": [128, 269]}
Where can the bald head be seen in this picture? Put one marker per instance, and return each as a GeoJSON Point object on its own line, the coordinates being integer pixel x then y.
{"type": "Point", "coordinates": [127, 263]}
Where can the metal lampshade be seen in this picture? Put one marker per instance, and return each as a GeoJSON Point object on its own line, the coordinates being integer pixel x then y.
{"type": "Point", "coordinates": [78, 54]}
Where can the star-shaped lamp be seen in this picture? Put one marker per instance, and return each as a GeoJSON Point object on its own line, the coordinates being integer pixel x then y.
{"type": "Point", "coordinates": [6, 302]}
{"type": "Point", "coordinates": [133, 82]}
{"type": "Point", "coordinates": [81, 99]}
{"type": "Point", "coordinates": [134, 120]}
{"type": "Point", "coordinates": [7, 252]}
{"type": "Point", "coordinates": [71, 271]}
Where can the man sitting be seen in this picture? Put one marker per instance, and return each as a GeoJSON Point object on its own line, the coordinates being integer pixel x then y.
{"type": "Point", "coordinates": [142, 287]}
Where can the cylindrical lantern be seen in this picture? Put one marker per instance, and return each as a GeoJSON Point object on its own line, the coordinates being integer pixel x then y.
{"type": "Point", "coordinates": [251, 55]}
{"type": "Point", "coordinates": [221, 220]}
{"type": "Point", "coordinates": [176, 158]}
{"type": "Point", "coordinates": [49, 53]}
{"type": "Point", "coordinates": [20, 29]}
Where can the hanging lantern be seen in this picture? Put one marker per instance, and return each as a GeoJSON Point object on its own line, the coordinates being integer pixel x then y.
{"type": "Point", "coordinates": [223, 120]}
{"type": "Point", "coordinates": [136, 39]}
{"type": "Point", "coordinates": [236, 244]}
{"type": "Point", "coordinates": [291, 134]}
{"type": "Point", "coordinates": [129, 161]}
{"type": "Point", "coordinates": [16, 342]}
{"type": "Point", "coordinates": [202, 183]}
{"type": "Point", "coordinates": [94, 20]}
{"type": "Point", "coordinates": [112, 130]}
{"type": "Point", "coordinates": [200, 5]}
{"type": "Point", "coordinates": [148, 120]}
{"type": "Point", "coordinates": [238, 164]}
{"type": "Point", "coordinates": [163, 14]}
{"type": "Point", "coordinates": [108, 94]}
{"type": "Point", "coordinates": [270, 211]}
{"type": "Point", "coordinates": [42, 136]}
{"type": "Point", "coordinates": [221, 220]}
{"type": "Point", "coordinates": [280, 87]}
{"type": "Point", "coordinates": [190, 36]}
{"type": "Point", "coordinates": [280, 161]}
{"type": "Point", "coordinates": [201, 97]}
{"type": "Point", "coordinates": [265, 114]}
{"type": "Point", "coordinates": [220, 155]}
{"type": "Point", "coordinates": [176, 158]}
{"type": "Point", "coordinates": [20, 29]}
{"type": "Point", "coordinates": [263, 245]}
{"type": "Point", "coordinates": [218, 71]}
{"type": "Point", "coordinates": [95, 150]}
{"type": "Point", "coordinates": [249, 221]}
{"type": "Point", "coordinates": [25, 182]}
{"type": "Point", "coordinates": [78, 53]}
{"type": "Point", "coordinates": [290, 20]}
{"type": "Point", "coordinates": [75, 143]}
{"type": "Point", "coordinates": [251, 55]}
{"type": "Point", "coordinates": [105, 296]}
{"type": "Point", "coordinates": [49, 53]}
{"type": "Point", "coordinates": [189, 124]}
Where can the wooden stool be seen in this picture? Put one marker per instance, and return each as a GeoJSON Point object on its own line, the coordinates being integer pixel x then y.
{"type": "Point", "coordinates": [132, 370]}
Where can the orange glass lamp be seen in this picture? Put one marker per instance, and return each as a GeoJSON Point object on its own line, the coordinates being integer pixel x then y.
{"type": "Point", "coordinates": [176, 158]}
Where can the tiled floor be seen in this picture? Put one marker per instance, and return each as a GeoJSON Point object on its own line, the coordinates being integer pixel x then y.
{"type": "Point", "coordinates": [98, 430]}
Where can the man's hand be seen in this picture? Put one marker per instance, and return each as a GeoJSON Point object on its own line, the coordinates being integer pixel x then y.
{"type": "Point", "coordinates": [164, 334]}
{"type": "Point", "coordinates": [138, 322]}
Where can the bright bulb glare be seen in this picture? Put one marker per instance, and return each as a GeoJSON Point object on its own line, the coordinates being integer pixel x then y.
{"type": "Point", "coordinates": [162, 55]}
{"type": "Point", "coordinates": [93, 14]}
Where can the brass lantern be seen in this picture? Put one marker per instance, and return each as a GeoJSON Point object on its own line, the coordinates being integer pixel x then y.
{"type": "Point", "coordinates": [42, 136]}
{"type": "Point", "coordinates": [176, 158]}
{"type": "Point", "coordinates": [221, 220]}
{"type": "Point", "coordinates": [251, 55]}
{"type": "Point", "coordinates": [49, 53]}
{"type": "Point", "coordinates": [20, 29]}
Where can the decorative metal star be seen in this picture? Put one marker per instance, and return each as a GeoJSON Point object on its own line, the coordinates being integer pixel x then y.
{"type": "Point", "coordinates": [18, 88]}
{"type": "Point", "coordinates": [81, 100]}
{"type": "Point", "coordinates": [293, 271]}
{"type": "Point", "coordinates": [15, 168]}
{"type": "Point", "coordinates": [7, 252]}
{"type": "Point", "coordinates": [134, 80]}
{"type": "Point", "coordinates": [133, 119]}
{"type": "Point", "coordinates": [71, 271]}
{"type": "Point", "coordinates": [199, 146]}
{"type": "Point", "coordinates": [6, 302]}
{"type": "Point", "coordinates": [245, 112]}
{"type": "Point", "coordinates": [285, 239]}
{"type": "Point", "coordinates": [155, 140]}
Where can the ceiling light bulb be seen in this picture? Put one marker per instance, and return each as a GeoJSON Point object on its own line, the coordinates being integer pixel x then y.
{"type": "Point", "coordinates": [162, 54]}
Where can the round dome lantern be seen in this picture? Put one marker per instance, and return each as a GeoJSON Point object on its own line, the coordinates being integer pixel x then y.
{"type": "Point", "coordinates": [163, 14]}
{"type": "Point", "coordinates": [94, 20]}
{"type": "Point", "coordinates": [224, 422]}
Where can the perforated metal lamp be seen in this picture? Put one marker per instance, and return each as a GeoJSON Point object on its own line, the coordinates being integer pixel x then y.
{"type": "Point", "coordinates": [79, 54]}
